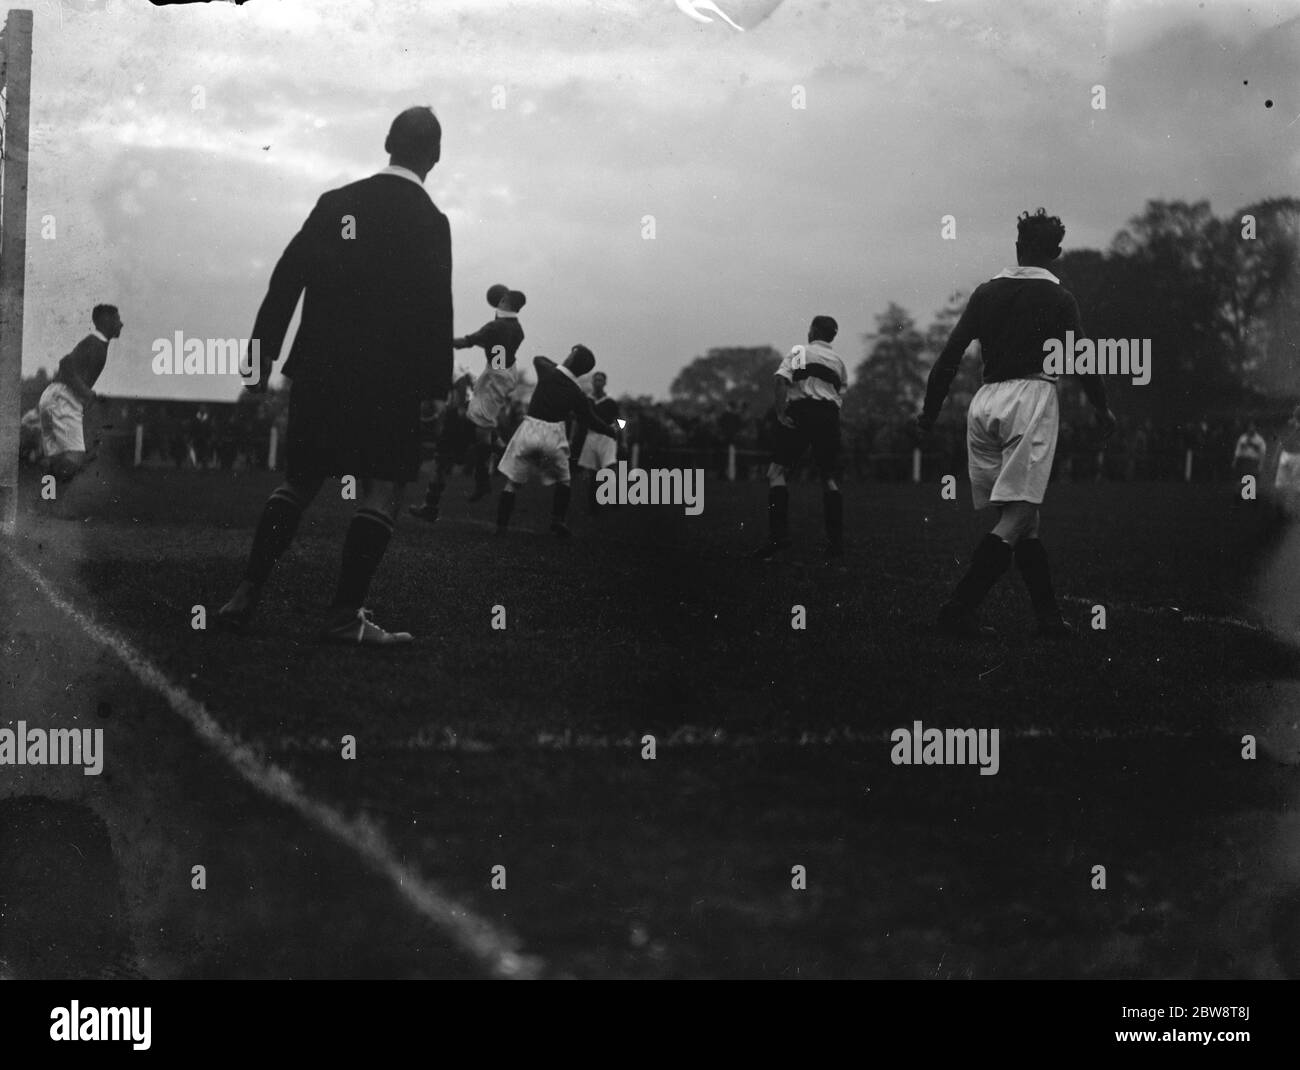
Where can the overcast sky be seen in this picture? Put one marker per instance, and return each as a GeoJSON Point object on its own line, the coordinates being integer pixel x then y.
{"type": "Point", "coordinates": [765, 214]}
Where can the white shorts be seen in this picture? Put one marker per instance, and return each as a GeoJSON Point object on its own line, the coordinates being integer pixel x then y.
{"type": "Point", "coordinates": [484, 411]}
{"type": "Point", "coordinates": [598, 451]}
{"type": "Point", "coordinates": [1011, 430]}
{"type": "Point", "coordinates": [61, 421]}
{"type": "Point", "coordinates": [1288, 472]}
{"type": "Point", "coordinates": [537, 446]}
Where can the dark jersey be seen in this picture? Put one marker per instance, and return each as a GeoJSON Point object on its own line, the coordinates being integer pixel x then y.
{"type": "Point", "coordinates": [504, 331]}
{"type": "Point", "coordinates": [607, 409]}
{"type": "Point", "coordinates": [558, 396]}
{"type": "Point", "coordinates": [85, 362]}
{"type": "Point", "coordinates": [1011, 318]}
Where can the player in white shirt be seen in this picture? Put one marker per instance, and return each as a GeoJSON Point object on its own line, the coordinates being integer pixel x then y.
{"type": "Point", "coordinates": [810, 387]}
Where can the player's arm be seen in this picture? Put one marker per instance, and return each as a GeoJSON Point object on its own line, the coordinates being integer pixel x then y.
{"type": "Point", "coordinates": [945, 368]}
{"type": "Point", "coordinates": [1094, 387]}
{"type": "Point", "coordinates": [781, 387]}
{"type": "Point", "coordinates": [441, 364]}
{"type": "Point", "coordinates": [478, 338]}
{"type": "Point", "coordinates": [71, 378]}
{"type": "Point", "coordinates": [288, 280]}
{"type": "Point", "coordinates": [586, 414]}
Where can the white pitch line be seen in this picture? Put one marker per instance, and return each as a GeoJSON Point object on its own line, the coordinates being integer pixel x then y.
{"type": "Point", "coordinates": [1193, 618]}
{"type": "Point", "coordinates": [476, 936]}
{"type": "Point", "coordinates": [691, 737]}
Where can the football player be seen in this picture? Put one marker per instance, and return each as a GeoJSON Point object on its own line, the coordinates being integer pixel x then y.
{"type": "Point", "coordinates": [810, 388]}
{"type": "Point", "coordinates": [597, 451]}
{"type": "Point", "coordinates": [63, 403]}
{"type": "Point", "coordinates": [1013, 420]}
{"type": "Point", "coordinates": [541, 443]}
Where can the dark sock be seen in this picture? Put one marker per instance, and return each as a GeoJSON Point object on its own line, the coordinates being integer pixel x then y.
{"type": "Point", "coordinates": [433, 495]}
{"type": "Point", "coordinates": [778, 513]}
{"type": "Point", "coordinates": [992, 557]}
{"type": "Point", "coordinates": [505, 506]}
{"type": "Point", "coordinates": [833, 509]}
{"type": "Point", "coordinates": [481, 454]}
{"type": "Point", "coordinates": [1031, 559]}
{"type": "Point", "coordinates": [368, 536]}
{"type": "Point", "coordinates": [275, 531]}
{"type": "Point", "coordinates": [560, 503]}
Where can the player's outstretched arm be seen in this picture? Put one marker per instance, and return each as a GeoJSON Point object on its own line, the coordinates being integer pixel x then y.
{"type": "Point", "coordinates": [781, 390]}
{"type": "Point", "coordinates": [587, 415]}
{"type": "Point", "coordinates": [945, 368]}
{"type": "Point", "coordinates": [288, 280]}
{"type": "Point", "coordinates": [1094, 386]}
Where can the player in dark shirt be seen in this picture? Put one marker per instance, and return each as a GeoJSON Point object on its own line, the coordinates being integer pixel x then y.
{"type": "Point", "coordinates": [1013, 420]}
{"type": "Point", "coordinates": [72, 390]}
{"type": "Point", "coordinates": [596, 451]}
{"type": "Point", "coordinates": [541, 443]}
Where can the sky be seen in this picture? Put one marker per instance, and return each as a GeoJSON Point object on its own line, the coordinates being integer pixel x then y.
{"type": "Point", "coordinates": [177, 150]}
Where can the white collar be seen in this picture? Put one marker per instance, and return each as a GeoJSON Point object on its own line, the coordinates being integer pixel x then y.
{"type": "Point", "coordinates": [567, 372]}
{"type": "Point", "coordinates": [1027, 273]}
{"type": "Point", "coordinates": [99, 334]}
{"type": "Point", "coordinates": [404, 172]}
{"type": "Point", "coordinates": [502, 314]}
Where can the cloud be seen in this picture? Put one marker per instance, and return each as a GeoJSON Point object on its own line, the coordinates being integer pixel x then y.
{"type": "Point", "coordinates": [616, 109]}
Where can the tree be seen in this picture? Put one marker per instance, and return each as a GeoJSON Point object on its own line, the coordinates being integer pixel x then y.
{"type": "Point", "coordinates": [739, 374]}
{"type": "Point", "coordinates": [890, 382]}
{"type": "Point", "coordinates": [1262, 307]}
{"type": "Point", "coordinates": [968, 377]}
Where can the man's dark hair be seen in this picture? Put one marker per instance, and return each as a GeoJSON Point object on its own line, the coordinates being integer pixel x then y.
{"type": "Point", "coordinates": [1039, 236]}
{"type": "Point", "coordinates": [580, 360]}
{"type": "Point", "coordinates": [823, 329]}
{"type": "Point", "coordinates": [413, 133]}
{"type": "Point", "coordinates": [100, 314]}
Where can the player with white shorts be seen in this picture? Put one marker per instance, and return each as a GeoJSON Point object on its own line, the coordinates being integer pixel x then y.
{"type": "Point", "coordinates": [598, 451]}
{"type": "Point", "coordinates": [1013, 420]}
{"type": "Point", "coordinates": [62, 407]}
{"type": "Point", "coordinates": [1011, 431]}
{"type": "Point", "coordinates": [540, 443]}
{"type": "Point", "coordinates": [500, 339]}
{"type": "Point", "coordinates": [538, 447]}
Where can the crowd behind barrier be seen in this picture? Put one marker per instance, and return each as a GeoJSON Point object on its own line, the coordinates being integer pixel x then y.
{"type": "Point", "coordinates": [726, 441]}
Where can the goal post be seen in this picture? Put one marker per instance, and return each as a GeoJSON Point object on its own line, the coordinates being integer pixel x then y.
{"type": "Point", "coordinates": [15, 83]}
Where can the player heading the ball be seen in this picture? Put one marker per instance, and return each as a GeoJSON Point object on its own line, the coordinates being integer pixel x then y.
{"type": "Point", "coordinates": [541, 442]}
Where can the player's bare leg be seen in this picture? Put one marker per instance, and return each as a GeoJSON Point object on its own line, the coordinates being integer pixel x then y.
{"type": "Point", "coordinates": [506, 506]}
{"type": "Point", "coordinates": [368, 536]}
{"type": "Point", "coordinates": [275, 532]}
{"type": "Point", "coordinates": [778, 512]}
